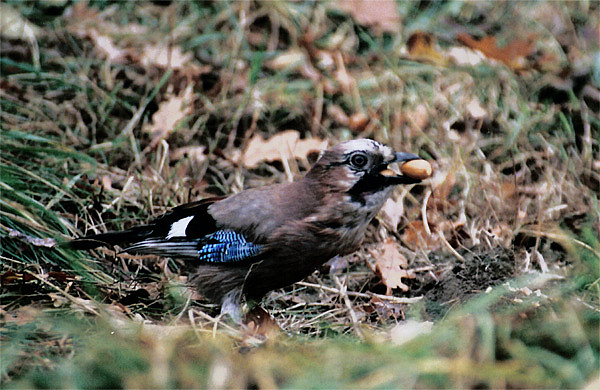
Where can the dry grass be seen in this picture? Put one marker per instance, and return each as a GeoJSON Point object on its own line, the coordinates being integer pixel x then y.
{"type": "Point", "coordinates": [512, 204]}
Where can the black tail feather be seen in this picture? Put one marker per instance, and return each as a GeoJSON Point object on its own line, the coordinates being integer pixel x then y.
{"type": "Point", "coordinates": [111, 238]}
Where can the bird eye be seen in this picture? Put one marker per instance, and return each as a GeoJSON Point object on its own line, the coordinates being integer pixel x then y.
{"type": "Point", "coordinates": [359, 160]}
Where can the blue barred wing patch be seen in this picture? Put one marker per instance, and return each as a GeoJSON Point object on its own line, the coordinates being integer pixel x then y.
{"type": "Point", "coordinates": [226, 246]}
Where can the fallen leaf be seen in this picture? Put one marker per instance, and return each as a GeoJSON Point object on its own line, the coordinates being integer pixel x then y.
{"type": "Point", "coordinates": [80, 12]}
{"type": "Point", "coordinates": [385, 309]}
{"type": "Point", "coordinates": [390, 265]}
{"type": "Point", "coordinates": [358, 121]}
{"type": "Point", "coordinates": [163, 56]}
{"type": "Point", "coordinates": [20, 316]}
{"type": "Point", "coordinates": [170, 113]}
{"type": "Point", "coordinates": [15, 26]}
{"type": "Point", "coordinates": [392, 212]}
{"type": "Point", "coordinates": [81, 19]}
{"type": "Point", "coordinates": [261, 324]}
{"type": "Point", "coordinates": [465, 56]}
{"type": "Point", "coordinates": [193, 153]}
{"type": "Point", "coordinates": [415, 236]}
{"type": "Point", "coordinates": [512, 55]}
{"type": "Point", "coordinates": [61, 276]}
{"type": "Point", "coordinates": [475, 109]}
{"type": "Point", "coordinates": [106, 46]}
{"type": "Point", "coordinates": [10, 276]}
{"type": "Point", "coordinates": [442, 182]}
{"type": "Point", "coordinates": [282, 146]}
{"type": "Point", "coordinates": [380, 14]}
{"type": "Point", "coordinates": [421, 47]}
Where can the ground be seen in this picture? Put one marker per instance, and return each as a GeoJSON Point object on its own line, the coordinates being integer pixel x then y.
{"type": "Point", "coordinates": [486, 275]}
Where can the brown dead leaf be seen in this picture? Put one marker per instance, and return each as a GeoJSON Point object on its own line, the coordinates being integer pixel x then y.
{"type": "Point", "coordinates": [415, 236]}
{"type": "Point", "coordinates": [390, 265]}
{"type": "Point", "coordinates": [170, 113]}
{"type": "Point", "coordinates": [385, 309]}
{"type": "Point", "coordinates": [107, 48]}
{"type": "Point", "coordinates": [166, 57]}
{"type": "Point", "coordinates": [358, 121]}
{"type": "Point", "coordinates": [392, 212]}
{"type": "Point", "coordinates": [193, 153]}
{"type": "Point", "coordinates": [512, 55]}
{"type": "Point", "coordinates": [381, 14]}
{"type": "Point", "coordinates": [9, 277]}
{"type": "Point", "coordinates": [442, 183]}
{"type": "Point", "coordinates": [261, 324]}
{"type": "Point", "coordinates": [282, 146]}
{"type": "Point", "coordinates": [421, 47]}
{"type": "Point", "coordinates": [21, 316]}
{"type": "Point", "coordinates": [80, 12]}
{"type": "Point", "coordinates": [508, 189]}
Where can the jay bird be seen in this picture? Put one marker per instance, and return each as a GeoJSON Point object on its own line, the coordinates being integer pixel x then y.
{"type": "Point", "coordinates": [266, 238]}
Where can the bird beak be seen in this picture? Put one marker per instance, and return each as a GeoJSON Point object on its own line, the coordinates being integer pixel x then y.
{"type": "Point", "coordinates": [403, 157]}
{"type": "Point", "coordinates": [406, 177]}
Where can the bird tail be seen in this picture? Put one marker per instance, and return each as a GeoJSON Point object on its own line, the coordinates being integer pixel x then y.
{"type": "Point", "coordinates": [111, 238]}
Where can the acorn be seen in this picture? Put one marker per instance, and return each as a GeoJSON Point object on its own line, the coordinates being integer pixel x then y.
{"type": "Point", "coordinates": [416, 169]}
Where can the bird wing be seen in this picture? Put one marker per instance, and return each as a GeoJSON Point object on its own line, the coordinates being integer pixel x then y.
{"type": "Point", "coordinates": [187, 231]}
{"type": "Point", "coordinates": [222, 246]}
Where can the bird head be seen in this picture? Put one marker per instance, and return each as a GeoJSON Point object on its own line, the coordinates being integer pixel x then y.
{"type": "Point", "coordinates": [359, 168]}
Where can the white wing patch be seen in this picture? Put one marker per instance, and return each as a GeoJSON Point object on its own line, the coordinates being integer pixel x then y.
{"type": "Point", "coordinates": [178, 228]}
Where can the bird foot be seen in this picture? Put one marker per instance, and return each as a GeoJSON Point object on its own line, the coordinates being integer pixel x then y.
{"type": "Point", "coordinates": [231, 307]}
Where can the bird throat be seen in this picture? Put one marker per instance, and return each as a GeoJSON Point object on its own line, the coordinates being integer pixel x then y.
{"type": "Point", "coordinates": [368, 185]}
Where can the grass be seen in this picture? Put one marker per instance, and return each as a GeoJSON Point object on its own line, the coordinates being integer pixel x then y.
{"type": "Point", "coordinates": [511, 285]}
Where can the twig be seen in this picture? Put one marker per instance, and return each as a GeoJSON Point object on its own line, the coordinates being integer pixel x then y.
{"type": "Point", "coordinates": [362, 295]}
{"type": "Point", "coordinates": [71, 298]}
{"type": "Point", "coordinates": [452, 250]}
{"type": "Point", "coordinates": [424, 212]}
{"type": "Point", "coordinates": [216, 321]}
{"type": "Point", "coordinates": [353, 317]}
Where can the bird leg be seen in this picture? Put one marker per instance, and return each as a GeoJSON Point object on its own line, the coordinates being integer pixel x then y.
{"type": "Point", "coordinates": [231, 305]}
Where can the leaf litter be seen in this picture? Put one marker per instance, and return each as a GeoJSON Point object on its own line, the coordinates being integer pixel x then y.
{"type": "Point", "coordinates": [487, 216]}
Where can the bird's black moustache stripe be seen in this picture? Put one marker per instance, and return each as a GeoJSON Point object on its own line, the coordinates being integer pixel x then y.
{"type": "Point", "coordinates": [367, 184]}
{"type": "Point", "coordinates": [373, 182]}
